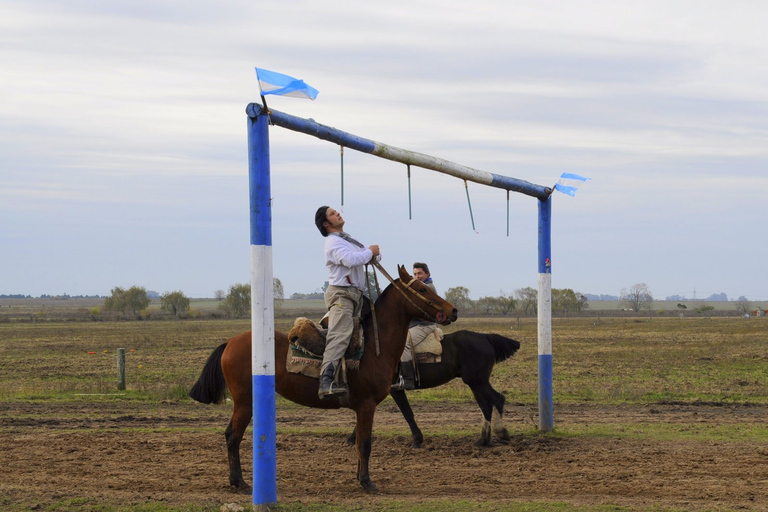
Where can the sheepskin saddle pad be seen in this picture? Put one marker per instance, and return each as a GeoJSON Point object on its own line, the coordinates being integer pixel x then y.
{"type": "Point", "coordinates": [430, 350]}
{"type": "Point", "coordinates": [306, 344]}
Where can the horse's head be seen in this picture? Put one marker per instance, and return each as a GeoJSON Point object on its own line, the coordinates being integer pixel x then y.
{"type": "Point", "coordinates": [431, 306]}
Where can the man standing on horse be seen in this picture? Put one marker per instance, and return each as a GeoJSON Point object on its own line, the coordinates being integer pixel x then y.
{"type": "Point", "coordinates": [345, 258]}
{"type": "Point", "coordinates": [418, 331]}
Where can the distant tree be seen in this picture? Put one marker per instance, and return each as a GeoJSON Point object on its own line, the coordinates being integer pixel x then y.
{"type": "Point", "coordinates": [133, 299]}
{"type": "Point", "coordinates": [743, 306]}
{"type": "Point", "coordinates": [277, 292]}
{"type": "Point", "coordinates": [219, 295]}
{"type": "Point", "coordinates": [459, 297]}
{"type": "Point", "coordinates": [238, 301]}
{"type": "Point", "coordinates": [176, 303]}
{"type": "Point", "coordinates": [564, 300]}
{"type": "Point", "coordinates": [305, 296]}
{"type": "Point", "coordinates": [582, 302]}
{"type": "Point", "coordinates": [704, 310]}
{"type": "Point", "coordinates": [137, 299]}
{"type": "Point", "coordinates": [528, 299]}
{"type": "Point", "coordinates": [638, 297]}
{"type": "Point", "coordinates": [116, 301]}
{"type": "Point", "coordinates": [486, 304]}
{"type": "Point", "coordinates": [505, 303]}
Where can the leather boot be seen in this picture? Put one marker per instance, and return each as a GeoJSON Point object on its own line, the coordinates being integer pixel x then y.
{"type": "Point", "coordinates": [328, 387]}
{"type": "Point", "coordinates": [405, 379]}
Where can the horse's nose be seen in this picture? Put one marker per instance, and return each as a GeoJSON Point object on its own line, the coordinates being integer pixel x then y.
{"type": "Point", "coordinates": [454, 315]}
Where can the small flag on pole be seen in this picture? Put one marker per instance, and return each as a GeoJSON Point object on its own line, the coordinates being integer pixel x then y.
{"type": "Point", "coordinates": [283, 85]}
{"type": "Point", "coordinates": [569, 183]}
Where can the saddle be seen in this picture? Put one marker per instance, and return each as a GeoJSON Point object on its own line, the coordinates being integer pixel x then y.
{"type": "Point", "coordinates": [306, 344]}
{"type": "Point", "coordinates": [430, 350]}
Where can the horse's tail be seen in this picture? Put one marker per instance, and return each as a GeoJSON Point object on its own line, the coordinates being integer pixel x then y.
{"type": "Point", "coordinates": [211, 388]}
{"type": "Point", "coordinates": [503, 347]}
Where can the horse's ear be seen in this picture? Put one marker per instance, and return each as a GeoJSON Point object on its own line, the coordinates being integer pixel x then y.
{"type": "Point", "coordinates": [403, 273]}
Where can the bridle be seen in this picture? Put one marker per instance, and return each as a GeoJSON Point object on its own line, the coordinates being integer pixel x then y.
{"type": "Point", "coordinates": [439, 316]}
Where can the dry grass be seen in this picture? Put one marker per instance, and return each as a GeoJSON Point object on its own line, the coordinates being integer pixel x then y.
{"type": "Point", "coordinates": [615, 360]}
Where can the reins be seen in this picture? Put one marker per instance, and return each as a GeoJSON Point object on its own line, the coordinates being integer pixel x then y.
{"type": "Point", "coordinates": [399, 288]}
{"type": "Point", "coordinates": [428, 302]}
{"type": "Point", "coordinates": [373, 309]}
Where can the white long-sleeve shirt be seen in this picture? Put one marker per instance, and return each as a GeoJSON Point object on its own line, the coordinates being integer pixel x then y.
{"type": "Point", "coordinates": [345, 262]}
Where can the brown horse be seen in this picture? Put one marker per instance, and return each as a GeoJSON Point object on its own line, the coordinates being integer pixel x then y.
{"type": "Point", "coordinates": [230, 367]}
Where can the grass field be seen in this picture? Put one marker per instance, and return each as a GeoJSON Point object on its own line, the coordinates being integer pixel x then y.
{"type": "Point", "coordinates": [613, 360]}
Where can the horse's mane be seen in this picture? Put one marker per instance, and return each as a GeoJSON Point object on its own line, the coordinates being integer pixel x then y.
{"type": "Point", "coordinates": [366, 311]}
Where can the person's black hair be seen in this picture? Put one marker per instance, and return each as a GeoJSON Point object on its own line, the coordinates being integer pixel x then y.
{"type": "Point", "coordinates": [320, 218]}
{"type": "Point", "coordinates": [422, 266]}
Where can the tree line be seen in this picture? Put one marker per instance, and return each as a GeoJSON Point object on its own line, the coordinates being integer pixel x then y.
{"type": "Point", "coordinates": [236, 303]}
{"type": "Point", "coordinates": [522, 301]}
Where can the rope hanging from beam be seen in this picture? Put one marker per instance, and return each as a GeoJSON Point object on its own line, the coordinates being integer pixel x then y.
{"type": "Point", "coordinates": [409, 193]}
{"type": "Point", "coordinates": [507, 213]}
{"type": "Point", "coordinates": [341, 152]}
{"type": "Point", "coordinates": [472, 217]}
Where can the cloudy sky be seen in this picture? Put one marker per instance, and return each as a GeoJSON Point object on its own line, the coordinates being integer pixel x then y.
{"type": "Point", "coordinates": [123, 157]}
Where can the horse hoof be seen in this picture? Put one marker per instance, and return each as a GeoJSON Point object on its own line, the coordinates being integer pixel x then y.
{"type": "Point", "coordinates": [482, 443]}
{"type": "Point", "coordinates": [243, 488]}
{"type": "Point", "coordinates": [369, 487]}
{"type": "Point", "coordinates": [415, 445]}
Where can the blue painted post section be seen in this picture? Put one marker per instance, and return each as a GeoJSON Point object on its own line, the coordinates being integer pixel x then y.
{"type": "Point", "coordinates": [546, 417]}
{"type": "Point", "coordinates": [262, 318]}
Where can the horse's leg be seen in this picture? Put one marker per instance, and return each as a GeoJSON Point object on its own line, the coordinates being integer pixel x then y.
{"type": "Point", "coordinates": [482, 397]}
{"type": "Point", "coordinates": [497, 416]}
{"type": "Point", "coordinates": [364, 437]}
{"type": "Point", "coordinates": [352, 437]}
{"type": "Point", "coordinates": [234, 435]}
{"type": "Point", "coordinates": [405, 407]}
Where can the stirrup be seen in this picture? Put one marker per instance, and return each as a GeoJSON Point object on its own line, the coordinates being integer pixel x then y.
{"type": "Point", "coordinates": [333, 391]}
{"type": "Point", "coordinates": [400, 384]}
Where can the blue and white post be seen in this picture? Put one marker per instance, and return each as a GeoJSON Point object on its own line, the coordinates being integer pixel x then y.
{"type": "Point", "coordinates": [262, 317]}
{"type": "Point", "coordinates": [546, 421]}
{"type": "Point", "coordinates": [543, 194]}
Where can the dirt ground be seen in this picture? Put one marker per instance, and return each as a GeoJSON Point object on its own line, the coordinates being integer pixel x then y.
{"type": "Point", "coordinates": [124, 453]}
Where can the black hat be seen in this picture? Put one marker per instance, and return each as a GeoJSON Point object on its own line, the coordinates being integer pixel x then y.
{"type": "Point", "coordinates": [320, 218]}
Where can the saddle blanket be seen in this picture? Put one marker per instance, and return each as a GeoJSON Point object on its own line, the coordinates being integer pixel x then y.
{"type": "Point", "coordinates": [306, 344]}
{"type": "Point", "coordinates": [430, 350]}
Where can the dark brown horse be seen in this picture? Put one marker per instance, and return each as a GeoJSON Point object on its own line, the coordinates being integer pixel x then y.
{"type": "Point", "coordinates": [470, 356]}
{"type": "Point", "coordinates": [230, 367]}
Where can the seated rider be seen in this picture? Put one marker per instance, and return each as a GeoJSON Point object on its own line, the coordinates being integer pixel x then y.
{"type": "Point", "coordinates": [345, 258]}
{"type": "Point", "coordinates": [418, 331]}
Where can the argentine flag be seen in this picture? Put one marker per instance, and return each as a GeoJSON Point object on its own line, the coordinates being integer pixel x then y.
{"type": "Point", "coordinates": [283, 85]}
{"type": "Point", "coordinates": [569, 182]}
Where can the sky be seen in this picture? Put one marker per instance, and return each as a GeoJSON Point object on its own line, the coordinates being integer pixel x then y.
{"type": "Point", "coordinates": [123, 155]}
